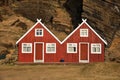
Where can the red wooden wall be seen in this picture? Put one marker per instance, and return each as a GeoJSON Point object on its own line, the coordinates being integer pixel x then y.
{"type": "Point", "coordinates": [61, 49]}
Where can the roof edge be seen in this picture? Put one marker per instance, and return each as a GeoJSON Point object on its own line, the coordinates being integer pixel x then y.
{"type": "Point", "coordinates": [27, 32]}
{"type": "Point", "coordinates": [96, 33]}
{"type": "Point", "coordinates": [61, 42]}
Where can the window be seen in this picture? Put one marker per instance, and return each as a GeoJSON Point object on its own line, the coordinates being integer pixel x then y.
{"type": "Point", "coordinates": [26, 47]}
{"type": "Point", "coordinates": [71, 47]}
{"type": "Point", "coordinates": [83, 32]}
{"type": "Point", "coordinates": [96, 48]}
{"type": "Point", "coordinates": [38, 32]}
{"type": "Point", "coordinates": [50, 47]}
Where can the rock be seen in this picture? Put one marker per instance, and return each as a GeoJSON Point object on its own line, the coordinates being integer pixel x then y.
{"type": "Point", "coordinates": [7, 44]}
{"type": "Point", "coordinates": [3, 54]}
{"type": "Point", "coordinates": [62, 16]}
{"type": "Point", "coordinates": [10, 58]}
{"type": "Point", "coordinates": [74, 8]}
{"type": "Point", "coordinates": [22, 25]}
{"type": "Point", "coordinates": [16, 21]}
{"type": "Point", "coordinates": [1, 18]}
{"type": "Point", "coordinates": [104, 15]}
{"type": "Point", "coordinates": [118, 59]}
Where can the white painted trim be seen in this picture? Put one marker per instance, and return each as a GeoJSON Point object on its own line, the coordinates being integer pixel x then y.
{"type": "Point", "coordinates": [72, 33]}
{"type": "Point", "coordinates": [72, 44]}
{"type": "Point", "coordinates": [39, 20]}
{"type": "Point", "coordinates": [96, 33]}
{"type": "Point", "coordinates": [81, 32]}
{"type": "Point", "coordinates": [36, 31]}
{"type": "Point", "coordinates": [27, 32]}
{"type": "Point", "coordinates": [50, 32]}
{"type": "Point", "coordinates": [50, 52]}
{"type": "Point", "coordinates": [30, 46]}
{"type": "Point", "coordinates": [83, 61]}
{"type": "Point", "coordinates": [96, 52]}
{"type": "Point", "coordinates": [84, 20]}
{"type": "Point", "coordinates": [35, 52]}
{"type": "Point", "coordinates": [61, 42]}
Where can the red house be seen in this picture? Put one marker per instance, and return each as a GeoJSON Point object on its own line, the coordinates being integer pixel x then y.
{"type": "Point", "coordinates": [39, 44]}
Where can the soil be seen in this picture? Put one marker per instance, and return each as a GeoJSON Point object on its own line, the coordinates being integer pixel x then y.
{"type": "Point", "coordinates": [92, 71]}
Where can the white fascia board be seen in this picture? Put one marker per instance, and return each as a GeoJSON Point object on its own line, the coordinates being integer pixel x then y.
{"type": "Point", "coordinates": [61, 42]}
{"type": "Point", "coordinates": [96, 33]}
{"type": "Point", "coordinates": [27, 32]}
{"type": "Point", "coordinates": [50, 32]}
{"type": "Point", "coordinates": [72, 33]}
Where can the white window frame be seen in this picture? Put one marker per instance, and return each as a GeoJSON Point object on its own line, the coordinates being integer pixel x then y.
{"type": "Point", "coordinates": [50, 46]}
{"type": "Point", "coordinates": [36, 32]}
{"type": "Point", "coordinates": [23, 47]}
{"type": "Point", "coordinates": [72, 46]}
{"type": "Point", "coordinates": [81, 31]}
{"type": "Point", "coordinates": [95, 44]}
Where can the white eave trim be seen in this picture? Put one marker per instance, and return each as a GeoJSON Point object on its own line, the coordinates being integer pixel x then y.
{"type": "Point", "coordinates": [50, 32]}
{"type": "Point", "coordinates": [61, 42]}
{"type": "Point", "coordinates": [27, 32]}
{"type": "Point", "coordinates": [38, 21]}
{"type": "Point", "coordinates": [96, 33]}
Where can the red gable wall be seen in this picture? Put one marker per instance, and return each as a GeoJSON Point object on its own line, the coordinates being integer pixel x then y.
{"type": "Point", "coordinates": [92, 38]}
{"type": "Point", "coordinates": [30, 38]}
{"type": "Point", "coordinates": [61, 49]}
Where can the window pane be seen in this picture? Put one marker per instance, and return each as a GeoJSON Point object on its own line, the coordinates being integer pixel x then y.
{"type": "Point", "coordinates": [83, 32]}
{"type": "Point", "coordinates": [28, 49]}
{"type": "Point", "coordinates": [96, 48]}
{"type": "Point", "coordinates": [72, 47]}
{"type": "Point", "coordinates": [51, 47]}
{"type": "Point", "coordinates": [24, 45]}
{"type": "Point", "coordinates": [48, 49]}
{"type": "Point", "coordinates": [39, 32]}
{"type": "Point", "coordinates": [25, 49]}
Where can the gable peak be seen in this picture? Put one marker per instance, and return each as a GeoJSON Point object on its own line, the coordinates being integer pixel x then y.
{"type": "Point", "coordinates": [39, 20]}
{"type": "Point", "coordinates": [84, 20]}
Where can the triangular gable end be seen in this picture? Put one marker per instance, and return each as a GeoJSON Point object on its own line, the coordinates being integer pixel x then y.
{"type": "Point", "coordinates": [27, 32]}
{"type": "Point", "coordinates": [95, 32]}
{"type": "Point", "coordinates": [73, 32]}
{"type": "Point", "coordinates": [84, 21]}
{"type": "Point", "coordinates": [38, 22]}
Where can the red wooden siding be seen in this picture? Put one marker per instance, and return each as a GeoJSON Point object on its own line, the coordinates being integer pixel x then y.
{"type": "Point", "coordinates": [92, 38]}
{"type": "Point", "coordinates": [24, 57]}
{"type": "Point", "coordinates": [61, 49]}
{"type": "Point", "coordinates": [30, 38]}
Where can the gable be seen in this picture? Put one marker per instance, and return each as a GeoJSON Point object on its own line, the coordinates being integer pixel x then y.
{"type": "Point", "coordinates": [87, 26]}
{"type": "Point", "coordinates": [61, 42]}
{"type": "Point", "coordinates": [96, 33]}
{"type": "Point", "coordinates": [39, 24]}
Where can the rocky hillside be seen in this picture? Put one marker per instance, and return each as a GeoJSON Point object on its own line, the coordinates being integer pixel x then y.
{"type": "Point", "coordinates": [61, 17]}
{"type": "Point", "coordinates": [104, 15]}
